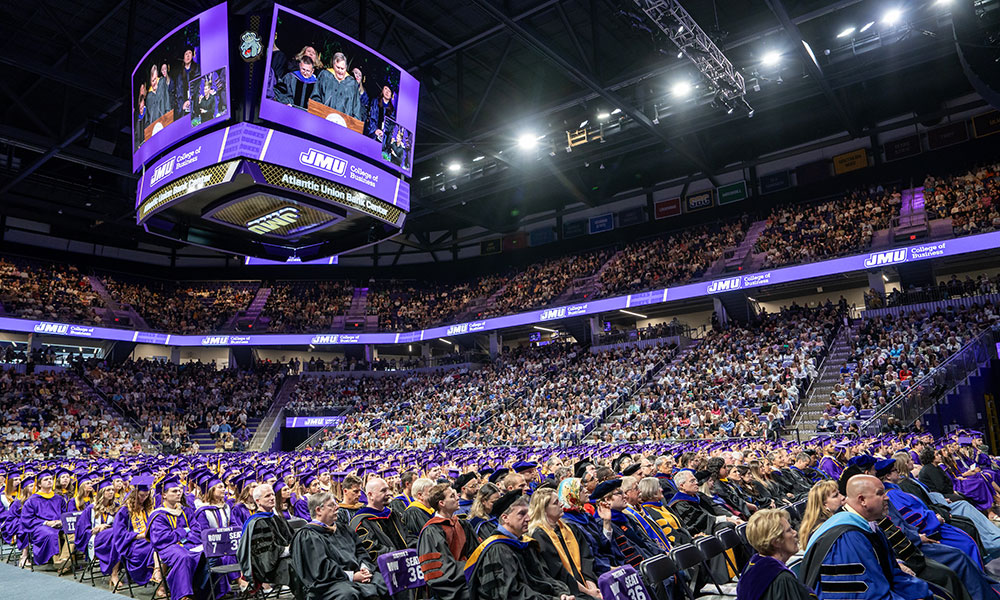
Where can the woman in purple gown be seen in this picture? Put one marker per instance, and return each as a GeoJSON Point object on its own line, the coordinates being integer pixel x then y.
{"type": "Point", "coordinates": [9, 501]}
{"type": "Point", "coordinates": [970, 483]}
{"type": "Point", "coordinates": [40, 518]}
{"type": "Point", "coordinates": [95, 530]}
{"type": "Point", "coordinates": [215, 512]}
{"type": "Point", "coordinates": [131, 545]}
{"type": "Point", "coordinates": [84, 495]}
{"type": "Point", "coordinates": [244, 505]}
{"type": "Point", "coordinates": [170, 534]}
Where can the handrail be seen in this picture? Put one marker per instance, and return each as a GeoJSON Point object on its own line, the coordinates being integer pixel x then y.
{"type": "Point", "coordinates": [844, 329]}
{"type": "Point", "coordinates": [923, 382]}
{"type": "Point", "coordinates": [275, 413]}
{"type": "Point", "coordinates": [134, 424]}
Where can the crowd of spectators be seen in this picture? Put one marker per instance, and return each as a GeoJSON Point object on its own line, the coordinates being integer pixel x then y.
{"type": "Point", "coordinates": [970, 200]}
{"type": "Point", "coordinates": [892, 352]}
{"type": "Point", "coordinates": [402, 306]}
{"type": "Point", "coordinates": [665, 260]}
{"type": "Point", "coordinates": [180, 307]}
{"type": "Point", "coordinates": [540, 283]}
{"type": "Point", "coordinates": [172, 401]}
{"type": "Point", "coordinates": [798, 233]}
{"type": "Point", "coordinates": [48, 292]}
{"type": "Point", "coordinates": [296, 306]}
{"type": "Point", "coordinates": [728, 384]}
{"type": "Point", "coordinates": [50, 413]}
{"type": "Point", "coordinates": [948, 289]}
{"type": "Point", "coordinates": [650, 332]}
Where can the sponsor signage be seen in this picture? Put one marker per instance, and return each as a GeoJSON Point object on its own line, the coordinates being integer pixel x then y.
{"type": "Point", "coordinates": [850, 161]}
{"type": "Point", "coordinates": [847, 264]}
{"type": "Point", "coordinates": [734, 192]}
{"type": "Point", "coordinates": [671, 207]}
{"type": "Point", "coordinates": [956, 133]}
{"type": "Point", "coordinates": [631, 216]}
{"type": "Point", "coordinates": [574, 229]}
{"type": "Point", "coordinates": [545, 235]}
{"type": "Point", "coordinates": [699, 201]}
{"type": "Point", "coordinates": [490, 246]}
{"type": "Point", "coordinates": [986, 124]}
{"type": "Point", "coordinates": [602, 223]}
{"type": "Point", "coordinates": [902, 148]}
{"type": "Point", "coordinates": [295, 422]}
{"type": "Point", "coordinates": [774, 182]}
{"type": "Point", "coordinates": [812, 172]}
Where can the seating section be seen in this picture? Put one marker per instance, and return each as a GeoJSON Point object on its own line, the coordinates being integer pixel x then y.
{"type": "Point", "coordinates": [47, 292]}
{"type": "Point", "coordinates": [971, 200]}
{"type": "Point", "coordinates": [182, 307]}
{"type": "Point", "coordinates": [52, 413]}
{"type": "Point", "coordinates": [296, 306]}
{"type": "Point", "coordinates": [403, 306]}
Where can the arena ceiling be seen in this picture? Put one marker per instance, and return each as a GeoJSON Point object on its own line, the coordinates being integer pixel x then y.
{"type": "Point", "coordinates": [491, 71]}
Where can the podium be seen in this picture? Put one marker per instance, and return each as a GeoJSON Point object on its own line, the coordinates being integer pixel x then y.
{"type": "Point", "coordinates": [335, 116]}
{"type": "Point", "coordinates": [157, 125]}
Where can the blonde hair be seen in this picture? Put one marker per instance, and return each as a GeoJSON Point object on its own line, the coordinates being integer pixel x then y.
{"type": "Point", "coordinates": [536, 510]}
{"type": "Point", "coordinates": [816, 512]}
{"type": "Point", "coordinates": [318, 63]}
{"type": "Point", "coordinates": [764, 528]}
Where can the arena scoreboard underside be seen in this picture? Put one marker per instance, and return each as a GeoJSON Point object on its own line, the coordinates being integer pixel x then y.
{"type": "Point", "coordinates": [289, 155]}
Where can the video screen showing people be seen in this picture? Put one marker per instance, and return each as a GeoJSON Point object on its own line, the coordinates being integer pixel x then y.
{"type": "Point", "coordinates": [317, 71]}
{"type": "Point", "coordinates": [161, 85]}
{"type": "Point", "coordinates": [208, 94]}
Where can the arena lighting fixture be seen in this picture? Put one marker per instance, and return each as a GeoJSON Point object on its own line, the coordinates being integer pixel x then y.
{"type": "Point", "coordinates": [527, 141]}
{"type": "Point", "coordinates": [545, 329]}
{"type": "Point", "coordinates": [634, 314]}
{"type": "Point", "coordinates": [584, 123]}
{"type": "Point", "coordinates": [455, 167]}
{"type": "Point", "coordinates": [680, 54]}
{"type": "Point", "coordinates": [616, 111]}
{"type": "Point", "coordinates": [892, 16]}
{"type": "Point", "coordinates": [681, 88]}
{"type": "Point", "coordinates": [884, 278]}
{"type": "Point", "coordinates": [771, 58]}
{"type": "Point", "coordinates": [478, 158]}
{"type": "Point", "coordinates": [845, 32]}
{"type": "Point", "coordinates": [425, 178]}
{"type": "Point", "coordinates": [449, 342]}
{"type": "Point", "coordinates": [867, 26]}
{"type": "Point", "coordinates": [603, 115]}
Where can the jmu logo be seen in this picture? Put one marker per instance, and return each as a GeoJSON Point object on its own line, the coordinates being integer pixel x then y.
{"type": "Point", "coordinates": [553, 313]}
{"type": "Point", "coordinates": [886, 258]}
{"type": "Point", "coordinates": [457, 329]}
{"type": "Point", "coordinates": [51, 328]}
{"type": "Point", "coordinates": [163, 170]}
{"type": "Point", "coordinates": [215, 340]}
{"type": "Point", "coordinates": [277, 219]}
{"type": "Point", "coordinates": [325, 339]}
{"type": "Point", "coordinates": [323, 161]}
{"type": "Point", "coordinates": [722, 285]}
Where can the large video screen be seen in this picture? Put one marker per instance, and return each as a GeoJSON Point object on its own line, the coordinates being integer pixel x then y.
{"type": "Point", "coordinates": [324, 83]}
{"type": "Point", "coordinates": [181, 85]}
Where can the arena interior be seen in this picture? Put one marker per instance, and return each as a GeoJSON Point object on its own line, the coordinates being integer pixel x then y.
{"type": "Point", "coordinates": [519, 300]}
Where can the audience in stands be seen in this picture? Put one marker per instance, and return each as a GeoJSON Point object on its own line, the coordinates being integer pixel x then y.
{"type": "Point", "coordinates": [306, 305]}
{"type": "Point", "coordinates": [47, 292]}
{"type": "Point", "coordinates": [181, 307]}
{"type": "Point", "coordinates": [969, 200]}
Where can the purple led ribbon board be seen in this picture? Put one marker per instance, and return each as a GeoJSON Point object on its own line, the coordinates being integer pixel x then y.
{"type": "Point", "coordinates": [314, 421]}
{"type": "Point", "coordinates": [327, 101]}
{"type": "Point", "coordinates": [245, 140]}
{"type": "Point", "coordinates": [860, 262]}
{"type": "Point", "coordinates": [195, 52]}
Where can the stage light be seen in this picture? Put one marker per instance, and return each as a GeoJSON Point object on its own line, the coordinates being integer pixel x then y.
{"type": "Point", "coordinates": [681, 89]}
{"type": "Point", "coordinates": [455, 167]}
{"type": "Point", "coordinates": [478, 158]}
{"type": "Point", "coordinates": [771, 58]}
{"type": "Point", "coordinates": [680, 54]}
{"type": "Point", "coordinates": [544, 329]}
{"type": "Point", "coordinates": [527, 141]}
{"type": "Point", "coordinates": [845, 32]}
{"type": "Point", "coordinates": [729, 111]}
{"type": "Point", "coordinates": [616, 111]}
{"type": "Point", "coordinates": [584, 123]}
{"type": "Point", "coordinates": [680, 29]}
{"type": "Point", "coordinates": [892, 16]}
{"type": "Point", "coordinates": [867, 26]}
{"type": "Point", "coordinates": [603, 115]}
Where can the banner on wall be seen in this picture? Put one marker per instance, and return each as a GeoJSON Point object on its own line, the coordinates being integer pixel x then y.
{"type": "Point", "coordinates": [545, 235]}
{"type": "Point", "coordinates": [986, 124]}
{"type": "Point", "coordinates": [775, 182]}
{"type": "Point", "coordinates": [902, 148]}
{"type": "Point", "coordinates": [601, 223]}
{"type": "Point", "coordinates": [490, 247]}
{"type": "Point", "coordinates": [699, 201]}
{"type": "Point", "coordinates": [949, 135]}
{"type": "Point", "coordinates": [850, 161]}
{"type": "Point", "coordinates": [734, 192]}
{"type": "Point", "coordinates": [671, 207]}
{"type": "Point", "coordinates": [574, 229]}
{"type": "Point", "coordinates": [632, 216]}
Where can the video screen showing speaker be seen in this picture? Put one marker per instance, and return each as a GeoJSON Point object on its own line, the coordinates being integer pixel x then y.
{"type": "Point", "coordinates": [170, 100]}
{"type": "Point", "coordinates": [326, 84]}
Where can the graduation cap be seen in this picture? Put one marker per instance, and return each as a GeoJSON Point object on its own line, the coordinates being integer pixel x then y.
{"type": "Point", "coordinates": [523, 466]}
{"type": "Point", "coordinates": [884, 467]}
{"type": "Point", "coordinates": [631, 469]}
{"type": "Point", "coordinates": [498, 474]}
{"type": "Point", "coordinates": [580, 468]}
{"type": "Point", "coordinates": [865, 461]}
{"type": "Point", "coordinates": [463, 480]}
{"type": "Point", "coordinates": [168, 483]}
{"type": "Point", "coordinates": [504, 502]}
{"type": "Point", "coordinates": [605, 487]}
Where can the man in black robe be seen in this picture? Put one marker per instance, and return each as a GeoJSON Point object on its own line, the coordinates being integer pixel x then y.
{"type": "Point", "coordinates": [417, 513]}
{"type": "Point", "coordinates": [934, 477]}
{"type": "Point", "coordinates": [330, 561]}
{"type": "Point", "coordinates": [263, 551]}
{"type": "Point", "coordinates": [504, 567]}
{"type": "Point", "coordinates": [295, 88]}
{"type": "Point", "coordinates": [376, 525]}
{"type": "Point", "coordinates": [445, 543]}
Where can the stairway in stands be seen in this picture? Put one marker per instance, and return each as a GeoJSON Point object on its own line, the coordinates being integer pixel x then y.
{"type": "Point", "coordinates": [740, 257]}
{"type": "Point", "coordinates": [206, 444]}
{"type": "Point", "coordinates": [247, 319]}
{"type": "Point", "coordinates": [829, 374]}
{"type": "Point", "coordinates": [96, 396]}
{"type": "Point", "coordinates": [267, 429]}
{"type": "Point", "coordinates": [114, 314]}
{"type": "Point", "coordinates": [618, 414]}
{"type": "Point", "coordinates": [478, 305]}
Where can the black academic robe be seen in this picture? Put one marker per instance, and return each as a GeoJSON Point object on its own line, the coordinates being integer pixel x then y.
{"type": "Point", "coordinates": [936, 480]}
{"type": "Point", "coordinates": [548, 553]}
{"type": "Point", "coordinates": [507, 569]}
{"type": "Point", "coordinates": [414, 519]}
{"type": "Point", "coordinates": [697, 516]}
{"type": "Point", "coordinates": [261, 551]}
{"type": "Point", "coordinates": [380, 532]}
{"type": "Point", "coordinates": [443, 570]}
{"type": "Point", "coordinates": [322, 557]}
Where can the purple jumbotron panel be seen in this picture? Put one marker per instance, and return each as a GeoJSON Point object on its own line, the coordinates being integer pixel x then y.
{"type": "Point", "coordinates": [314, 421]}
{"type": "Point", "coordinates": [860, 262]}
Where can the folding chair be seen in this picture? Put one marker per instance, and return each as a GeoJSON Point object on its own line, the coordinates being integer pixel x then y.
{"type": "Point", "coordinates": [217, 543]}
{"type": "Point", "coordinates": [68, 521]}
{"type": "Point", "coordinates": [401, 570]}
{"type": "Point", "coordinates": [164, 571]}
{"type": "Point", "coordinates": [730, 539]}
{"type": "Point", "coordinates": [31, 553]}
{"type": "Point", "coordinates": [657, 571]}
{"type": "Point", "coordinates": [689, 556]}
{"type": "Point", "coordinates": [711, 546]}
{"type": "Point", "coordinates": [622, 583]}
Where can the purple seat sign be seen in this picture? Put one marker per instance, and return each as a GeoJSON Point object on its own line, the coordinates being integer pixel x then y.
{"type": "Point", "coordinates": [69, 522]}
{"type": "Point", "coordinates": [401, 570]}
{"type": "Point", "coordinates": [220, 542]}
{"type": "Point", "coordinates": [622, 583]}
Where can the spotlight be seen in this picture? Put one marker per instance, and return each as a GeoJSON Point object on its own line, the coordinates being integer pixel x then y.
{"type": "Point", "coordinates": [616, 111]}
{"type": "Point", "coordinates": [680, 29]}
{"type": "Point", "coordinates": [681, 89]}
{"type": "Point", "coordinates": [425, 178]}
{"type": "Point", "coordinates": [771, 58]}
{"type": "Point", "coordinates": [584, 123]}
{"type": "Point", "coordinates": [892, 16]}
{"type": "Point", "coordinates": [867, 26]}
{"type": "Point", "coordinates": [455, 167]}
{"type": "Point", "coordinates": [603, 115]}
{"type": "Point", "coordinates": [478, 158]}
{"type": "Point", "coordinates": [680, 54]}
{"type": "Point", "coordinates": [845, 32]}
{"type": "Point", "coordinates": [527, 141]}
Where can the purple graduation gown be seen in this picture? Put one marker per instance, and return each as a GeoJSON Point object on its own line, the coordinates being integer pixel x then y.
{"type": "Point", "coordinates": [11, 518]}
{"type": "Point", "coordinates": [98, 545]}
{"type": "Point", "coordinates": [44, 539]}
{"type": "Point", "coordinates": [975, 488]}
{"type": "Point", "coordinates": [136, 553]}
{"type": "Point", "coordinates": [213, 517]}
{"type": "Point", "coordinates": [172, 539]}
{"type": "Point", "coordinates": [831, 467]}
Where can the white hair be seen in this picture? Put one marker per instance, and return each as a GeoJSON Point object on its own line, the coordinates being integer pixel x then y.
{"type": "Point", "coordinates": [259, 490]}
{"type": "Point", "coordinates": [681, 477]}
{"type": "Point", "coordinates": [420, 486]}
